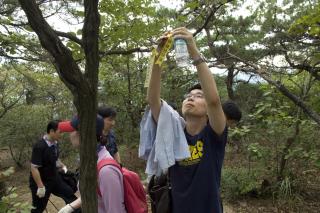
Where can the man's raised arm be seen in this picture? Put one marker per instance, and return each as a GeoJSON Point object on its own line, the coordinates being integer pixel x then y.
{"type": "Point", "coordinates": [153, 94]}
{"type": "Point", "coordinates": [215, 113]}
{"type": "Point", "coordinates": [154, 89]}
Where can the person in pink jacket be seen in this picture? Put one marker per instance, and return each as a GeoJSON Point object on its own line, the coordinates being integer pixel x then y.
{"type": "Point", "coordinates": [110, 179]}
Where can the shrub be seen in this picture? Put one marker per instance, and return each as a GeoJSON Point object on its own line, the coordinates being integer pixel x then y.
{"type": "Point", "coordinates": [8, 200]}
{"type": "Point", "coordinates": [237, 182]}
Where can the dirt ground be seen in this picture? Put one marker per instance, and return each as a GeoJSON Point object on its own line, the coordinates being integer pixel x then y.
{"type": "Point", "coordinates": [20, 180]}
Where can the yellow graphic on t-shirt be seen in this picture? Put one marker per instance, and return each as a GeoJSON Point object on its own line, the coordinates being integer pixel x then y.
{"type": "Point", "coordinates": [196, 153]}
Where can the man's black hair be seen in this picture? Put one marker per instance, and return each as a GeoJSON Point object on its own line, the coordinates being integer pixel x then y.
{"type": "Point", "coordinates": [52, 125]}
{"type": "Point", "coordinates": [196, 86]}
{"type": "Point", "coordinates": [106, 112]}
{"type": "Point", "coordinates": [232, 110]}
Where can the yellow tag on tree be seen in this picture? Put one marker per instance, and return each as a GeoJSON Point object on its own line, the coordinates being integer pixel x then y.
{"type": "Point", "coordinates": [166, 48]}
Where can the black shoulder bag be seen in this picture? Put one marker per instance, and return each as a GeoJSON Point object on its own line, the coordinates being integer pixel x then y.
{"type": "Point", "coordinates": [70, 178]}
{"type": "Point", "coordinates": [159, 189]}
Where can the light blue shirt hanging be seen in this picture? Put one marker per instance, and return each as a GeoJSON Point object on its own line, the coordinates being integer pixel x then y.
{"type": "Point", "coordinates": [164, 143]}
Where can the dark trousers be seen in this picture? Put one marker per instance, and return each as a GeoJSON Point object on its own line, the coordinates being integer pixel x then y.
{"type": "Point", "coordinates": [57, 187]}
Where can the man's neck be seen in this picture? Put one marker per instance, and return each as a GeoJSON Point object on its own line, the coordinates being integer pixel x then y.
{"type": "Point", "coordinates": [194, 125]}
{"type": "Point", "coordinates": [49, 138]}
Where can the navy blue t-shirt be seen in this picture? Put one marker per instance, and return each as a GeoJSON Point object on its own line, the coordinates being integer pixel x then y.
{"type": "Point", "coordinates": [45, 157]}
{"type": "Point", "coordinates": [196, 181]}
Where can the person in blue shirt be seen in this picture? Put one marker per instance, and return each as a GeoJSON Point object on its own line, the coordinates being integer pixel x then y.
{"type": "Point", "coordinates": [109, 139]}
{"type": "Point", "coordinates": [195, 181]}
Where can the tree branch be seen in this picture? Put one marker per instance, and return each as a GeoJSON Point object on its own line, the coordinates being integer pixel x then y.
{"type": "Point", "coordinates": [124, 52]}
{"type": "Point", "coordinates": [6, 108]}
{"type": "Point", "coordinates": [295, 99]}
{"type": "Point", "coordinates": [314, 71]}
{"type": "Point", "coordinates": [69, 36]}
{"type": "Point", "coordinates": [68, 70]}
{"type": "Point", "coordinates": [243, 81]}
{"type": "Point", "coordinates": [210, 15]}
{"type": "Point", "coordinates": [3, 54]}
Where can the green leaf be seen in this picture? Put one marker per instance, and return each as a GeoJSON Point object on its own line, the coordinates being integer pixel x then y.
{"type": "Point", "coordinates": [13, 195]}
{"type": "Point", "coordinates": [8, 172]}
{"type": "Point", "coordinates": [17, 204]}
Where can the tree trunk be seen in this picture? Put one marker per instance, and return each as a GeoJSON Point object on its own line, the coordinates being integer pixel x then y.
{"type": "Point", "coordinates": [128, 100]}
{"type": "Point", "coordinates": [82, 85]}
{"type": "Point", "coordinates": [285, 150]}
{"type": "Point", "coordinates": [283, 161]}
{"type": "Point", "coordinates": [88, 156]}
{"type": "Point", "coordinates": [229, 82]}
{"type": "Point", "coordinates": [87, 108]}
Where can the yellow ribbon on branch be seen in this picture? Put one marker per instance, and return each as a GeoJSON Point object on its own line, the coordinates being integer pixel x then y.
{"type": "Point", "coordinates": [166, 48]}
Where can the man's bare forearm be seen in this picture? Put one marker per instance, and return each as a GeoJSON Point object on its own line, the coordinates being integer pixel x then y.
{"type": "Point", "coordinates": [154, 89]}
{"type": "Point", "coordinates": [36, 176]}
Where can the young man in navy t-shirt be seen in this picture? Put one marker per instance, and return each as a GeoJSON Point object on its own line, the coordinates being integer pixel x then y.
{"type": "Point", "coordinates": [195, 181]}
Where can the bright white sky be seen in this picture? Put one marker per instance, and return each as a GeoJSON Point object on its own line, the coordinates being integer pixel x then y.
{"type": "Point", "coordinates": [171, 3]}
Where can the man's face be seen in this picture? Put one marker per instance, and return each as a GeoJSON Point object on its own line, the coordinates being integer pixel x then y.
{"type": "Point", "coordinates": [55, 135]}
{"type": "Point", "coordinates": [109, 123]}
{"type": "Point", "coordinates": [194, 104]}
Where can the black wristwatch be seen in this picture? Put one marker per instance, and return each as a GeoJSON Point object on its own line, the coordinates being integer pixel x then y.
{"type": "Point", "coordinates": [199, 60]}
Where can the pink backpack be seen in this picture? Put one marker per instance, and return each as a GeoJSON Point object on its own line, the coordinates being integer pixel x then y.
{"type": "Point", "coordinates": [135, 199]}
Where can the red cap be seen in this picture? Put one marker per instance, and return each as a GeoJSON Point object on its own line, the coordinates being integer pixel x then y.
{"type": "Point", "coordinates": [73, 125]}
{"type": "Point", "coordinates": [65, 126]}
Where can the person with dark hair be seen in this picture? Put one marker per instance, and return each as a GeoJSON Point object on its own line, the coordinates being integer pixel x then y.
{"type": "Point", "coordinates": [195, 181]}
{"type": "Point", "coordinates": [232, 112]}
{"type": "Point", "coordinates": [44, 178]}
{"type": "Point", "coordinates": [109, 139]}
{"type": "Point", "coordinates": [110, 179]}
